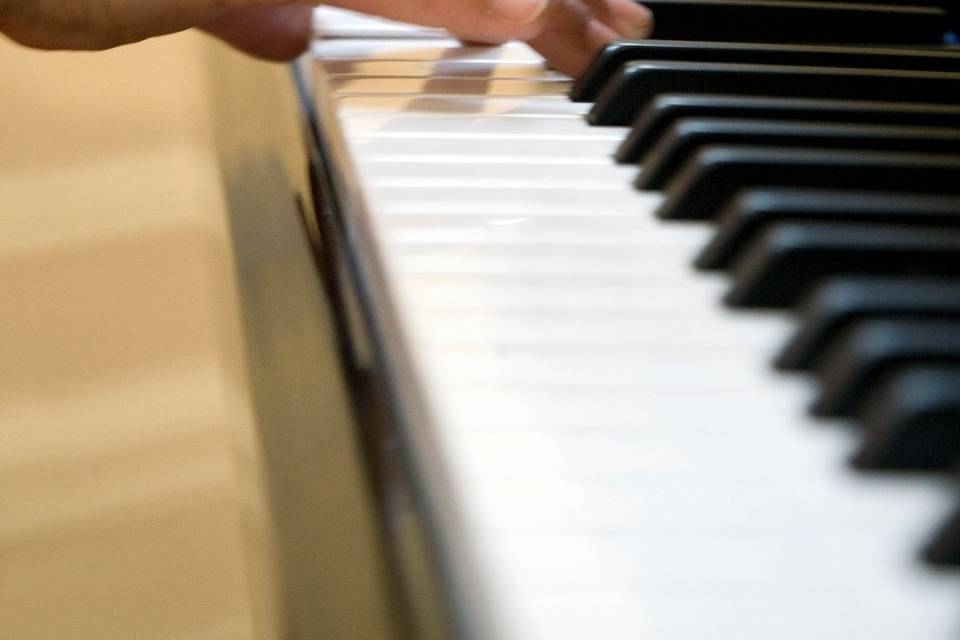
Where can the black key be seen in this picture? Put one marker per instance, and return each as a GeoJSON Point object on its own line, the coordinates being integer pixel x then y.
{"type": "Point", "coordinates": [787, 21]}
{"type": "Point", "coordinates": [944, 549]}
{"type": "Point", "coordinates": [911, 420]}
{"type": "Point", "coordinates": [712, 177]}
{"type": "Point", "coordinates": [785, 261]}
{"type": "Point", "coordinates": [752, 210]}
{"type": "Point", "coordinates": [838, 303]}
{"type": "Point", "coordinates": [667, 109]}
{"type": "Point", "coordinates": [638, 83]}
{"type": "Point", "coordinates": [685, 137]}
{"type": "Point", "coordinates": [877, 348]}
{"type": "Point", "coordinates": [615, 54]}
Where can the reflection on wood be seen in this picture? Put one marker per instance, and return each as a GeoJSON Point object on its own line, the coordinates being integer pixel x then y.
{"type": "Point", "coordinates": [320, 511]}
{"type": "Point", "coordinates": [119, 513]}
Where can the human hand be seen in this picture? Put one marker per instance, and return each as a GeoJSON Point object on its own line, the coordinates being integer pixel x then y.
{"type": "Point", "coordinates": [566, 32]}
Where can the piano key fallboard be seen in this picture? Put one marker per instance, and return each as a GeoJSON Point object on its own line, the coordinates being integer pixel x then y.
{"type": "Point", "coordinates": [598, 440]}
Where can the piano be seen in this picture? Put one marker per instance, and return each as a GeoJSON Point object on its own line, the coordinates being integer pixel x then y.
{"type": "Point", "coordinates": [672, 351]}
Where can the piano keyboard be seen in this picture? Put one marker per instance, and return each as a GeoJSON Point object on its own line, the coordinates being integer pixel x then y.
{"type": "Point", "coordinates": [600, 443]}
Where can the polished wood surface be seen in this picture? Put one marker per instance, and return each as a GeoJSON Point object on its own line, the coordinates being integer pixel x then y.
{"type": "Point", "coordinates": [314, 532]}
{"type": "Point", "coordinates": [118, 501]}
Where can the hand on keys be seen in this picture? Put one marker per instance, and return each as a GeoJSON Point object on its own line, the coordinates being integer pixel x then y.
{"type": "Point", "coordinates": [566, 32]}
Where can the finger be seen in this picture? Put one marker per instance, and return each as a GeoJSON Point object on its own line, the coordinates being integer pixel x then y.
{"type": "Point", "coordinates": [273, 33]}
{"type": "Point", "coordinates": [571, 36]}
{"type": "Point", "coordinates": [628, 18]}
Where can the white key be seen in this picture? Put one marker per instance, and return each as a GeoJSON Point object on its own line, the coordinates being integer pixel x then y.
{"type": "Point", "coordinates": [605, 451]}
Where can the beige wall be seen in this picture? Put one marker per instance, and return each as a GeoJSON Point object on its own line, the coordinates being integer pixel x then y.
{"type": "Point", "coordinates": [118, 334]}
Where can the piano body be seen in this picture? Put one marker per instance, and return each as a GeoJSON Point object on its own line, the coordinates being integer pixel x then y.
{"type": "Point", "coordinates": [570, 432]}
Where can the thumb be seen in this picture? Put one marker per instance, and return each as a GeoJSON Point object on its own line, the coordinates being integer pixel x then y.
{"type": "Point", "coordinates": [274, 33]}
{"type": "Point", "coordinates": [479, 20]}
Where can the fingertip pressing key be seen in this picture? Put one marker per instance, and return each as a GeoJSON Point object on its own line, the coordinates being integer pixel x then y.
{"type": "Point", "coordinates": [573, 32]}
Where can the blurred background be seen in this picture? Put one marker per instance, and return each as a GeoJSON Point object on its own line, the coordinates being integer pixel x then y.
{"type": "Point", "coordinates": [119, 370]}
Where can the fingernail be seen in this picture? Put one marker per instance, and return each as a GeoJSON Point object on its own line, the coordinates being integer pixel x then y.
{"type": "Point", "coordinates": [518, 11]}
{"type": "Point", "coordinates": [634, 20]}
